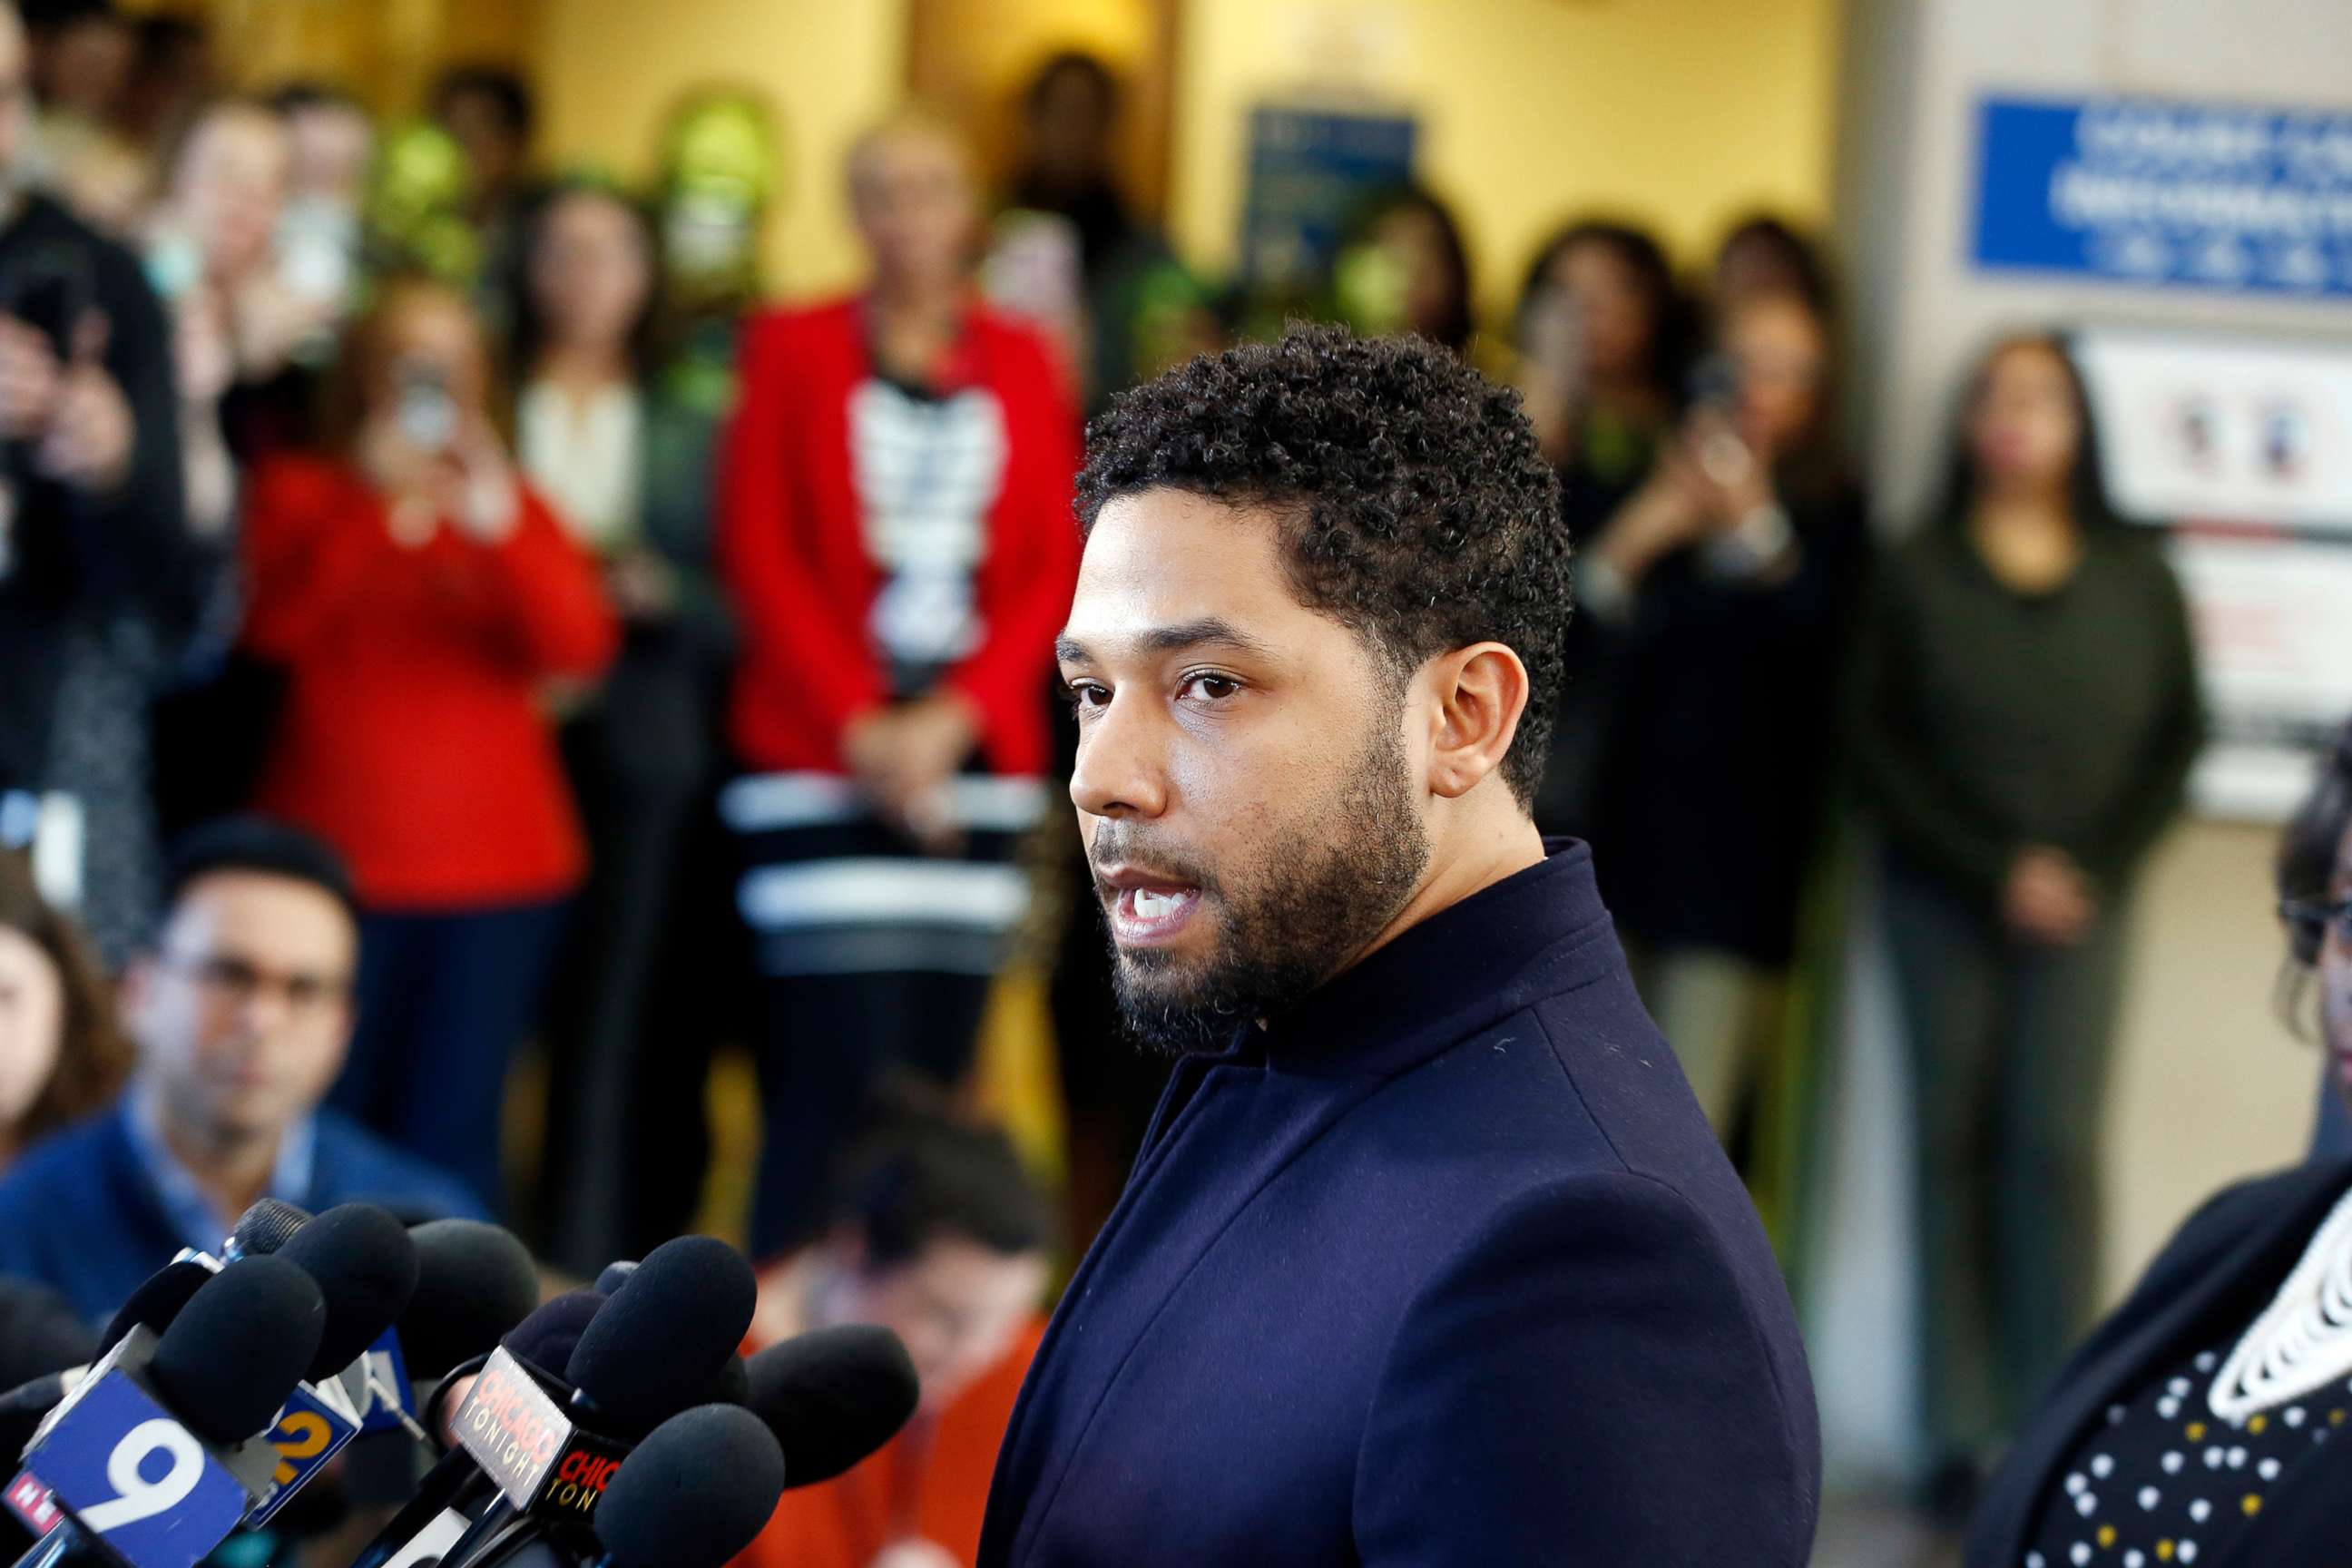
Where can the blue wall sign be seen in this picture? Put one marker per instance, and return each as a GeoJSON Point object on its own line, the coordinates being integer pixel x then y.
{"type": "Point", "coordinates": [1309, 171]}
{"type": "Point", "coordinates": [2165, 194]}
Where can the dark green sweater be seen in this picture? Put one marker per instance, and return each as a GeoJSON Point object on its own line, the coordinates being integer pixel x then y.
{"type": "Point", "coordinates": [1991, 720]}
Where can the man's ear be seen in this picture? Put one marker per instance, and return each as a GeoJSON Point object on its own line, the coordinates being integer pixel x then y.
{"type": "Point", "coordinates": [1478, 695]}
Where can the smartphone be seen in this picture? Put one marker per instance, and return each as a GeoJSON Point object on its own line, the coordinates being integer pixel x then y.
{"type": "Point", "coordinates": [1714, 417]}
{"type": "Point", "coordinates": [50, 291]}
{"type": "Point", "coordinates": [425, 413]}
{"type": "Point", "coordinates": [1714, 385]}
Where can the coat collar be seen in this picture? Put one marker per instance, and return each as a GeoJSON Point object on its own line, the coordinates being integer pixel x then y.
{"type": "Point", "coordinates": [1533, 934]}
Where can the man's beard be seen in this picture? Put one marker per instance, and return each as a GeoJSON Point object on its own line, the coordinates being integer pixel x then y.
{"type": "Point", "coordinates": [1327, 891]}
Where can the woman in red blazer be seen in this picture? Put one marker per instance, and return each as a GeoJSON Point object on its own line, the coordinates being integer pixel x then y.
{"type": "Point", "coordinates": [426, 608]}
{"type": "Point", "coordinates": [895, 527]}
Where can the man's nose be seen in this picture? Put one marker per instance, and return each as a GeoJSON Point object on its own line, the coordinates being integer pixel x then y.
{"type": "Point", "coordinates": [264, 1010]}
{"type": "Point", "coordinates": [1122, 768]}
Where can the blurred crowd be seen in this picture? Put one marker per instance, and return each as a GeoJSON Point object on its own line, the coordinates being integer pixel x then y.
{"type": "Point", "coordinates": [527, 632]}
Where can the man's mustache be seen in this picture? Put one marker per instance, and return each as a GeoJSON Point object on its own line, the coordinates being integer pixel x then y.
{"type": "Point", "coordinates": [1130, 850]}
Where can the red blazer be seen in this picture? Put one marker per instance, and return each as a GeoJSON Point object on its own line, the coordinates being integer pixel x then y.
{"type": "Point", "coordinates": [791, 540]}
{"type": "Point", "coordinates": [411, 736]}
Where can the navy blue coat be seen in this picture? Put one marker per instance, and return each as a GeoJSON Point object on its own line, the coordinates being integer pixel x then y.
{"type": "Point", "coordinates": [1442, 1267]}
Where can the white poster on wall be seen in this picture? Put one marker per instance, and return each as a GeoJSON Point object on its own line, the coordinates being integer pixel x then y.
{"type": "Point", "coordinates": [2241, 448]}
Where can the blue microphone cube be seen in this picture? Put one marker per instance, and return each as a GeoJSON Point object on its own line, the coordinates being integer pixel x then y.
{"type": "Point", "coordinates": [135, 1478]}
{"type": "Point", "coordinates": [307, 1434]}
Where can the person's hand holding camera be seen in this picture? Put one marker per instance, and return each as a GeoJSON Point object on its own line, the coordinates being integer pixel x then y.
{"type": "Point", "coordinates": [1727, 478]}
{"type": "Point", "coordinates": [91, 431]}
{"type": "Point", "coordinates": [482, 496]}
{"type": "Point", "coordinates": [30, 375]}
{"type": "Point", "coordinates": [435, 461]}
{"type": "Point", "coordinates": [1669, 512]}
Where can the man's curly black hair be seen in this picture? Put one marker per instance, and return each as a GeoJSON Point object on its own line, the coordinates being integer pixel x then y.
{"type": "Point", "coordinates": [1413, 502]}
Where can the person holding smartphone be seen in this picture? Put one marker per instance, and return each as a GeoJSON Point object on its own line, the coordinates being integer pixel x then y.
{"type": "Point", "coordinates": [97, 576]}
{"type": "Point", "coordinates": [1720, 597]}
{"type": "Point", "coordinates": [1601, 329]}
{"type": "Point", "coordinates": [422, 600]}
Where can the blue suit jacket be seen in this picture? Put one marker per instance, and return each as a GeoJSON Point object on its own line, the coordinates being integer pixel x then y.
{"type": "Point", "coordinates": [81, 1214]}
{"type": "Point", "coordinates": [1442, 1267]}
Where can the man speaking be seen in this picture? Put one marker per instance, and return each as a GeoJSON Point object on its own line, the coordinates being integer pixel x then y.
{"type": "Point", "coordinates": [1430, 1257]}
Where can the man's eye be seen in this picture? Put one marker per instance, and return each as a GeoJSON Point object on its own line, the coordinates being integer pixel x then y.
{"type": "Point", "coordinates": [1085, 694]}
{"type": "Point", "coordinates": [1209, 688]}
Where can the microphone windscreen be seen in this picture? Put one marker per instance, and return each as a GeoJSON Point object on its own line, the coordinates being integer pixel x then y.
{"type": "Point", "coordinates": [548, 1338]}
{"type": "Point", "coordinates": [237, 1349]}
{"type": "Point", "coordinates": [39, 1332]}
{"type": "Point", "coordinates": [366, 1268]}
{"type": "Point", "coordinates": [655, 1347]}
{"type": "Point", "coordinates": [156, 1301]}
{"type": "Point", "coordinates": [833, 1396]}
{"type": "Point", "coordinates": [474, 1282]}
{"type": "Point", "coordinates": [694, 1493]}
{"type": "Point", "coordinates": [615, 1275]}
{"type": "Point", "coordinates": [732, 1385]}
{"type": "Point", "coordinates": [266, 1228]}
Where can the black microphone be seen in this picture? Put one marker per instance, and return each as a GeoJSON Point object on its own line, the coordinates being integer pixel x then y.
{"type": "Point", "coordinates": [696, 1492]}
{"type": "Point", "coordinates": [732, 1385]}
{"type": "Point", "coordinates": [832, 1397]}
{"type": "Point", "coordinates": [157, 1300]}
{"type": "Point", "coordinates": [549, 1337]}
{"type": "Point", "coordinates": [663, 1341]}
{"type": "Point", "coordinates": [260, 1231]}
{"type": "Point", "coordinates": [230, 1359]}
{"type": "Point", "coordinates": [474, 1283]}
{"type": "Point", "coordinates": [265, 1228]}
{"type": "Point", "coordinates": [213, 1381]}
{"type": "Point", "coordinates": [366, 1268]}
{"type": "Point", "coordinates": [454, 1492]}
{"type": "Point", "coordinates": [653, 1350]}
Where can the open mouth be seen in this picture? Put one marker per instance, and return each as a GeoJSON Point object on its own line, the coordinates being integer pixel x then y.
{"type": "Point", "coordinates": [1146, 909]}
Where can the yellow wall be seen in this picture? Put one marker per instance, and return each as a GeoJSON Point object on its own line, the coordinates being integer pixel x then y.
{"type": "Point", "coordinates": [608, 71]}
{"type": "Point", "coordinates": [1683, 112]}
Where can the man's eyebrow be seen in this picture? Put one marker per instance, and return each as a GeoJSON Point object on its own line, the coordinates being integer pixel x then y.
{"type": "Point", "coordinates": [1206, 631]}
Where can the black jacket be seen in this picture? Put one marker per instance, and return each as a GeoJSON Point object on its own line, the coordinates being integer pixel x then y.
{"type": "Point", "coordinates": [1718, 757]}
{"type": "Point", "coordinates": [74, 558]}
{"type": "Point", "coordinates": [2217, 1273]}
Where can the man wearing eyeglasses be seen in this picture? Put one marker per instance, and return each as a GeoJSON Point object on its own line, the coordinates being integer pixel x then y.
{"type": "Point", "coordinates": [239, 1015]}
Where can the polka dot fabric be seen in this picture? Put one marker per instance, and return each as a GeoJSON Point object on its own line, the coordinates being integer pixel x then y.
{"type": "Point", "coordinates": [2161, 1481]}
